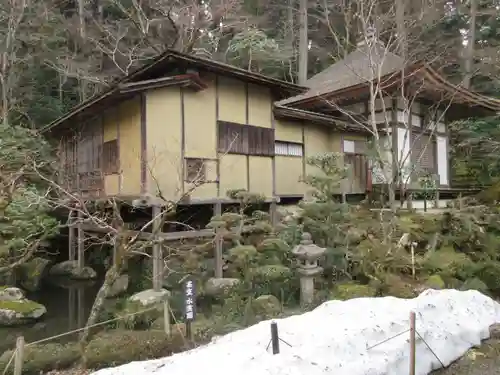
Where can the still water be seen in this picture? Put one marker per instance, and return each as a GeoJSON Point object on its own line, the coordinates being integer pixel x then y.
{"type": "Point", "coordinates": [67, 306]}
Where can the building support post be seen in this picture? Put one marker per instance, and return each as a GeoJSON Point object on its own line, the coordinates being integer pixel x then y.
{"type": "Point", "coordinates": [80, 243]}
{"type": "Point", "coordinates": [157, 249]}
{"type": "Point", "coordinates": [218, 243]}
{"type": "Point", "coordinates": [71, 236]}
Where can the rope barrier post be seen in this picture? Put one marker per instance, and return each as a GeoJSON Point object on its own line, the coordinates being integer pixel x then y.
{"type": "Point", "coordinates": [18, 361]}
{"type": "Point", "coordinates": [166, 317]}
{"type": "Point", "coordinates": [412, 343]}
{"type": "Point", "coordinates": [275, 338]}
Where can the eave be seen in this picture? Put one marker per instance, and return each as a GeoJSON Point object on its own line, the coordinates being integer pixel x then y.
{"type": "Point", "coordinates": [433, 82]}
{"type": "Point", "coordinates": [300, 114]}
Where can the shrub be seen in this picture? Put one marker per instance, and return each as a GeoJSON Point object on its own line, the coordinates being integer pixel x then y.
{"type": "Point", "coordinates": [351, 290]}
{"type": "Point", "coordinates": [107, 349]}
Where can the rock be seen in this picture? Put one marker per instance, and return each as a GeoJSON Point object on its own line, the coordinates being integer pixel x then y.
{"type": "Point", "coordinates": [143, 308]}
{"type": "Point", "coordinates": [351, 290]}
{"type": "Point", "coordinates": [11, 294]}
{"type": "Point", "coordinates": [16, 312]}
{"type": "Point", "coordinates": [220, 286]}
{"type": "Point", "coordinates": [120, 286]}
{"type": "Point", "coordinates": [69, 268]}
{"type": "Point", "coordinates": [266, 306]}
{"type": "Point", "coordinates": [150, 297]}
{"type": "Point", "coordinates": [33, 272]}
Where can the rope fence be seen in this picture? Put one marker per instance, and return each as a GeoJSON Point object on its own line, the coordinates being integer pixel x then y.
{"type": "Point", "coordinates": [17, 356]}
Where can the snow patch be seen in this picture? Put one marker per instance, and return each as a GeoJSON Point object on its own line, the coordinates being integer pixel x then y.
{"type": "Point", "coordinates": [337, 338]}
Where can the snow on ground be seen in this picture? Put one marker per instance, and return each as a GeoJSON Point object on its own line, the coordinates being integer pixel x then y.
{"type": "Point", "coordinates": [336, 337]}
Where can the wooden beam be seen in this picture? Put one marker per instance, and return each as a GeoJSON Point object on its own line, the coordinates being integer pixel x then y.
{"type": "Point", "coordinates": [170, 236]}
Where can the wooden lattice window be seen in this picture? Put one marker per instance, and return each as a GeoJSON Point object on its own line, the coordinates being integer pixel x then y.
{"type": "Point", "coordinates": [195, 170]}
{"type": "Point", "coordinates": [245, 139]}
{"type": "Point", "coordinates": [110, 158]}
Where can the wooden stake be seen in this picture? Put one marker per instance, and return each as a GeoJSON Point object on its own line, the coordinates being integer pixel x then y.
{"type": "Point", "coordinates": [18, 362]}
{"type": "Point", "coordinates": [166, 317]}
{"type": "Point", "coordinates": [412, 342]}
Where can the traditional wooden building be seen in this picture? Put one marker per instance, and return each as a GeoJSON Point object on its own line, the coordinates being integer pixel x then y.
{"type": "Point", "coordinates": [185, 120]}
{"type": "Point", "coordinates": [406, 105]}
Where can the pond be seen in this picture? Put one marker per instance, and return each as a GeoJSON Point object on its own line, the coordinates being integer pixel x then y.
{"type": "Point", "coordinates": [68, 307]}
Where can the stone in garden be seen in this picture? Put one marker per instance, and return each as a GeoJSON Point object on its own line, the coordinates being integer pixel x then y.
{"type": "Point", "coordinates": [150, 297]}
{"type": "Point", "coordinates": [267, 306]}
{"type": "Point", "coordinates": [33, 272]}
{"type": "Point", "coordinates": [69, 268]}
{"type": "Point", "coordinates": [143, 308]}
{"type": "Point", "coordinates": [15, 309]}
{"type": "Point", "coordinates": [220, 286]}
{"type": "Point", "coordinates": [11, 294]}
{"type": "Point", "coordinates": [119, 287]}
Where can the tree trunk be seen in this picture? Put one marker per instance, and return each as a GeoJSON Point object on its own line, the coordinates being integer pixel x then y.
{"type": "Point", "coordinates": [471, 41]}
{"type": "Point", "coordinates": [303, 42]}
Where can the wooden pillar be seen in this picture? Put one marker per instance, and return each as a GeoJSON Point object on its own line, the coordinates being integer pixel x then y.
{"type": "Point", "coordinates": [218, 243]}
{"type": "Point", "coordinates": [80, 309]}
{"type": "Point", "coordinates": [71, 236]}
{"type": "Point", "coordinates": [437, 191]}
{"type": "Point", "coordinates": [272, 212]}
{"type": "Point", "coordinates": [157, 250]}
{"type": "Point", "coordinates": [80, 243]}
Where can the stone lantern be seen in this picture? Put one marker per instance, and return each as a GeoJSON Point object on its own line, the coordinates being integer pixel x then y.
{"type": "Point", "coordinates": [308, 254]}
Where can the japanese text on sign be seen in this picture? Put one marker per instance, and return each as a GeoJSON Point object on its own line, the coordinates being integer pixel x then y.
{"type": "Point", "coordinates": [189, 300]}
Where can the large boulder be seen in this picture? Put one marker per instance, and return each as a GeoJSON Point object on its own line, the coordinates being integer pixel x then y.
{"type": "Point", "coordinates": [15, 309]}
{"type": "Point", "coordinates": [33, 272]}
{"type": "Point", "coordinates": [119, 287]}
{"type": "Point", "coordinates": [216, 287]}
{"type": "Point", "coordinates": [266, 306]}
{"type": "Point", "coordinates": [143, 308]}
{"type": "Point", "coordinates": [69, 268]}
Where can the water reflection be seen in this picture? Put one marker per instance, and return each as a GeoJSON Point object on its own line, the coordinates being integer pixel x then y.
{"type": "Point", "coordinates": [68, 306]}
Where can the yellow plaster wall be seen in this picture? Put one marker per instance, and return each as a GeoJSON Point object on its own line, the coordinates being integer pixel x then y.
{"type": "Point", "coordinates": [164, 137]}
{"type": "Point", "coordinates": [288, 175]}
{"type": "Point", "coordinates": [233, 170]}
{"type": "Point", "coordinates": [317, 141]}
{"type": "Point", "coordinates": [232, 107]}
{"type": "Point", "coordinates": [259, 106]}
{"type": "Point", "coordinates": [261, 175]}
{"type": "Point", "coordinates": [286, 130]}
{"type": "Point", "coordinates": [232, 100]}
{"type": "Point", "coordinates": [200, 127]}
{"type": "Point", "coordinates": [129, 120]}
{"type": "Point", "coordinates": [110, 133]}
